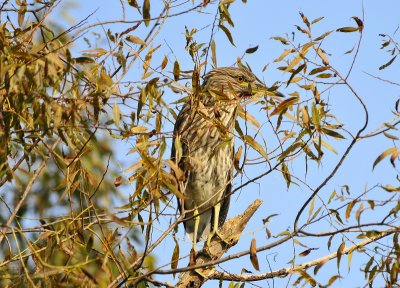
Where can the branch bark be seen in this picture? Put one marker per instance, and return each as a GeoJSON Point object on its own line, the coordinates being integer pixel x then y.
{"type": "Point", "coordinates": [285, 271]}
{"type": "Point", "coordinates": [230, 232]}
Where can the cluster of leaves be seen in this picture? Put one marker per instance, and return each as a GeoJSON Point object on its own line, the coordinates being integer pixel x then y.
{"type": "Point", "coordinates": [59, 115]}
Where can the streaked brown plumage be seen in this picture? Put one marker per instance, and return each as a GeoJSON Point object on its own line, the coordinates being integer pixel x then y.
{"type": "Point", "coordinates": [204, 130]}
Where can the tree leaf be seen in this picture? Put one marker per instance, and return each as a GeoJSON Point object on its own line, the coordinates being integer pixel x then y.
{"type": "Point", "coordinates": [347, 29]}
{"type": "Point", "coordinates": [213, 53]}
{"type": "Point", "coordinates": [146, 12]}
{"type": "Point", "coordinates": [323, 57]}
{"type": "Point", "coordinates": [253, 255]}
{"type": "Point", "coordinates": [388, 63]}
{"type": "Point", "coordinates": [251, 50]}
{"type": "Point", "coordinates": [256, 146]}
{"type": "Point", "coordinates": [177, 70]}
{"type": "Point", "coordinates": [116, 114]}
{"type": "Point", "coordinates": [284, 105]}
{"type": "Point", "coordinates": [135, 40]}
{"type": "Point", "coordinates": [164, 63]}
{"type": "Point", "coordinates": [227, 33]}
{"type": "Point", "coordinates": [175, 257]}
{"type": "Point", "coordinates": [383, 155]}
{"type": "Point", "coordinates": [340, 252]}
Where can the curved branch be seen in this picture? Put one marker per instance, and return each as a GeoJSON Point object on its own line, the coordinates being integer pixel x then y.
{"type": "Point", "coordinates": [285, 271]}
{"type": "Point", "coordinates": [230, 232]}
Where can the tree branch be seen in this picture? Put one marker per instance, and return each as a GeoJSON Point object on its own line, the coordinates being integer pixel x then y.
{"type": "Point", "coordinates": [285, 271]}
{"type": "Point", "coordinates": [230, 232]}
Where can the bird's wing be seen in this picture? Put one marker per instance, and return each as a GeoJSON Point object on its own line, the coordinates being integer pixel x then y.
{"type": "Point", "coordinates": [180, 121]}
{"type": "Point", "coordinates": [226, 196]}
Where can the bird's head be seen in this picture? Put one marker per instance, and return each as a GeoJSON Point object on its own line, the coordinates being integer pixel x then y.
{"type": "Point", "coordinates": [233, 83]}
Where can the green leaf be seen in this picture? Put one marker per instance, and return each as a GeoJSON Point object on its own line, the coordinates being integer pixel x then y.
{"type": "Point", "coordinates": [146, 12]}
{"type": "Point", "coordinates": [227, 33]}
{"type": "Point", "coordinates": [177, 71]}
{"type": "Point", "coordinates": [286, 174]}
{"type": "Point", "coordinates": [252, 50]}
{"type": "Point", "coordinates": [116, 114]}
{"type": "Point", "coordinates": [332, 133]}
{"type": "Point", "coordinates": [213, 54]}
{"type": "Point", "coordinates": [317, 20]}
{"type": "Point", "coordinates": [340, 252]}
{"type": "Point", "coordinates": [388, 63]}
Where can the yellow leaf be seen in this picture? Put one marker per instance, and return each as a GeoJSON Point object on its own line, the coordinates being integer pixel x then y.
{"type": "Point", "coordinates": [256, 146]}
{"type": "Point", "coordinates": [138, 129]}
{"type": "Point", "coordinates": [116, 114]}
{"type": "Point", "coordinates": [384, 154]}
{"type": "Point", "coordinates": [284, 105]}
{"type": "Point", "coordinates": [135, 40]}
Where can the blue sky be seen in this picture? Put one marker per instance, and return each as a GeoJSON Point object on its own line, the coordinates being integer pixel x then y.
{"type": "Point", "coordinates": [255, 23]}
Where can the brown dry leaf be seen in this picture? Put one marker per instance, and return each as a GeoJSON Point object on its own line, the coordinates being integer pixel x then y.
{"type": "Point", "coordinates": [253, 254]}
{"type": "Point", "coordinates": [118, 181]}
{"type": "Point", "coordinates": [236, 159]}
{"type": "Point", "coordinates": [175, 257]}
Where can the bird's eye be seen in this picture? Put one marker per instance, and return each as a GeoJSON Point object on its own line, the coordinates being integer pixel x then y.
{"type": "Point", "coordinates": [240, 79]}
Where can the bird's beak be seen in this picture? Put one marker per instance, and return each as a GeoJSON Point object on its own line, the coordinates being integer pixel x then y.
{"type": "Point", "coordinates": [259, 89]}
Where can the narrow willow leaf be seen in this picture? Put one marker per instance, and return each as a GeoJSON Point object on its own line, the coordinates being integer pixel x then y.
{"type": "Point", "coordinates": [332, 133]}
{"type": "Point", "coordinates": [333, 194]}
{"type": "Point", "coordinates": [383, 155]}
{"type": "Point", "coordinates": [253, 254]}
{"type": "Point", "coordinates": [236, 159]}
{"type": "Point", "coordinates": [286, 174]}
{"type": "Point", "coordinates": [340, 252]}
{"type": "Point", "coordinates": [284, 54]}
{"type": "Point", "coordinates": [135, 40]}
{"type": "Point", "coordinates": [284, 105]}
{"type": "Point", "coordinates": [177, 71]}
{"type": "Point", "coordinates": [175, 257]}
{"type": "Point", "coordinates": [349, 257]}
{"type": "Point", "coordinates": [294, 62]}
{"type": "Point", "coordinates": [213, 53]}
{"type": "Point", "coordinates": [146, 12]}
{"type": "Point", "coordinates": [388, 63]}
{"type": "Point", "coordinates": [311, 206]}
{"type": "Point", "coordinates": [349, 208]}
{"type": "Point", "coordinates": [282, 40]}
{"type": "Point", "coordinates": [227, 33]}
{"type": "Point", "coordinates": [317, 20]}
{"type": "Point", "coordinates": [256, 146]}
{"type": "Point", "coordinates": [318, 70]}
{"type": "Point", "coordinates": [322, 36]}
{"type": "Point", "coordinates": [116, 114]}
{"type": "Point", "coordinates": [138, 129]}
{"type": "Point", "coordinates": [323, 57]}
{"type": "Point", "coordinates": [347, 29]}
{"type": "Point", "coordinates": [251, 50]}
{"type": "Point", "coordinates": [164, 63]}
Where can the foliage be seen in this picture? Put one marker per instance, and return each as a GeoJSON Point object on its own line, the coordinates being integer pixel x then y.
{"type": "Point", "coordinates": [64, 220]}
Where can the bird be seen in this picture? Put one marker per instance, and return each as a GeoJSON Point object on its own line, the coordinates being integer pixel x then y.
{"type": "Point", "coordinates": [203, 149]}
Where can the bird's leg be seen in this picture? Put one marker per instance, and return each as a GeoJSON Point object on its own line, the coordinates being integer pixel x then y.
{"type": "Point", "coordinates": [214, 231]}
{"type": "Point", "coordinates": [196, 227]}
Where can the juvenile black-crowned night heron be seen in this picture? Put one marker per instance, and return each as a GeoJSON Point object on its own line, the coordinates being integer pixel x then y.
{"type": "Point", "coordinates": [203, 149]}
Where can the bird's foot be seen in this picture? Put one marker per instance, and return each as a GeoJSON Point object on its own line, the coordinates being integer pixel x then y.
{"type": "Point", "coordinates": [212, 234]}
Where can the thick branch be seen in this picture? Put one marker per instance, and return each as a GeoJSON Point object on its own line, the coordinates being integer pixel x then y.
{"type": "Point", "coordinates": [230, 232]}
{"type": "Point", "coordinates": [285, 271]}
